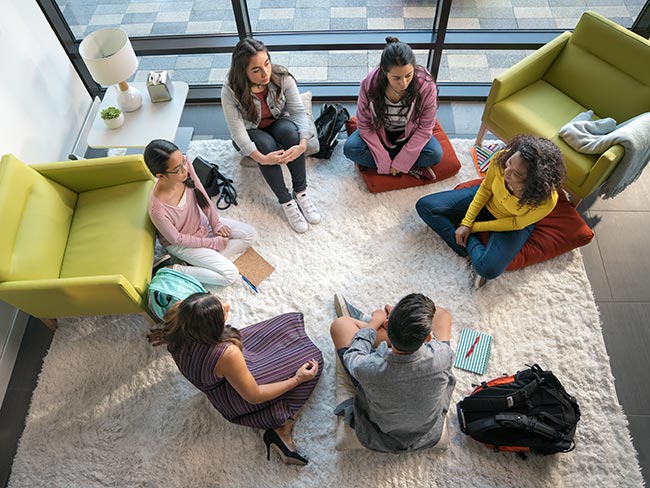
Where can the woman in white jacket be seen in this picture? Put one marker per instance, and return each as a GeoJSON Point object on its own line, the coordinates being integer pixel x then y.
{"type": "Point", "coordinates": [268, 123]}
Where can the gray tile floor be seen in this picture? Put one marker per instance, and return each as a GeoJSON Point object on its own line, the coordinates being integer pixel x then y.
{"type": "Point", "coordinates": [616, 262]}
{"type": "Point", "coordinates": [169, 17]}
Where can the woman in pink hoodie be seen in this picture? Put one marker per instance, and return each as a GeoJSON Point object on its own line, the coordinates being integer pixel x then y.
{"type": "Point", "coordinates": [396, 112]}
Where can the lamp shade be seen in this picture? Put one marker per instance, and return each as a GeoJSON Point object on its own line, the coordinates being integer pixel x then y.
{"type": "Point", "coordinates": [109, 56]}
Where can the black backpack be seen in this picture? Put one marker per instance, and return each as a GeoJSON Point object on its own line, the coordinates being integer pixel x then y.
{"type": "Point", "coordinates": [526, 412]}
{"type": "Point", "coordinates": [328, 124]}
{"type": "Point", "coordinates": [215, 183]}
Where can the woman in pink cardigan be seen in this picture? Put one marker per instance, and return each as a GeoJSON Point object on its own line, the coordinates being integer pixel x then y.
{"type": "Point", "coordinates": [396, 112]}
{"type": "Point", "coordinates": [187, 222]}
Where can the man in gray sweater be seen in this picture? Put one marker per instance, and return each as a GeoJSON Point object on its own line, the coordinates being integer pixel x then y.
{"type": "Point", "coordinates": [400, 362]}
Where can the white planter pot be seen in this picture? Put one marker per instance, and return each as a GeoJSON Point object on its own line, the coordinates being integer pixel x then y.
{"type": "Point", "coordinates": [114, 123]}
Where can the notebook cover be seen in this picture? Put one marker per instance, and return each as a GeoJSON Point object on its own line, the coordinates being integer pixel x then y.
{"type": "Point", "coordinates": [482, 155]}
{"type": "Point", "coordinates": [253, 266]}
{"type": "Point", "coordinates": [473, 351]}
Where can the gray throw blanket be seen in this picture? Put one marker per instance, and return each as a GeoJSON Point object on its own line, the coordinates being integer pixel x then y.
{"type": "Point", "coordinates": [596, 136]}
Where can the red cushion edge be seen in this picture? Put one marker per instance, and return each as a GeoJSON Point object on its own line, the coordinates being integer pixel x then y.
{"type": "Point", "coordinates": [446, 168]}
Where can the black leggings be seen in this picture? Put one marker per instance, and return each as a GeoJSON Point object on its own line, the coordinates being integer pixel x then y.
{"type": "Point", "coordinates": [281, 134]}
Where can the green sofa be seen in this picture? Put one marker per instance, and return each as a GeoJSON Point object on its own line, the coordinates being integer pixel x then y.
{"type": "Point", "coordinates": [600, 66]}
{"type": "Point", "coordinates": [76, 236]}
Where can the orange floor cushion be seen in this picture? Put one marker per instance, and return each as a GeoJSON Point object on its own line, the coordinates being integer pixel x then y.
{"type": "Point", "coordinates": [560, 231]}
{"type": "Point", "coordinates": [447, 167]}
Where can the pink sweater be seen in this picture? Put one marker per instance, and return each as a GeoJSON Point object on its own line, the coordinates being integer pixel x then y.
{"type": "Point", "coordinates": [418, 132]}
{"type": "Point", "coordinates": [183, 225]}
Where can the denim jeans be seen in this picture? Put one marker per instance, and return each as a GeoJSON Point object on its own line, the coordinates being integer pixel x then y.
{"type": "Point", "coordinates": [444, 211]}
{"type": "Point", "coordinates": [357, 150]}
{"type": "Point", "coordinates": [281, 134]}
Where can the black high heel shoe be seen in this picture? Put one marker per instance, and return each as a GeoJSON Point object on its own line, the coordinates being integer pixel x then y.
{"type": "Point", "coordinates": [271, 438]}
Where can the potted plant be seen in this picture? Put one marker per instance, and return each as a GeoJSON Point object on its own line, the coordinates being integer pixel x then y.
{"type": "Point", "coordinates": [112, 117]}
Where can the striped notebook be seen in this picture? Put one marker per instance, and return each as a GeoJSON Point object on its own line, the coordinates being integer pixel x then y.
{"type": "Point", "coordinates": [482, 155]}
{"type": "Point", "coordinates": [473, 351]}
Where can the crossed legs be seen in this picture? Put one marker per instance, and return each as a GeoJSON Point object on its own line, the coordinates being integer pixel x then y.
{"type": "Point", "coordinates": [343, 329]}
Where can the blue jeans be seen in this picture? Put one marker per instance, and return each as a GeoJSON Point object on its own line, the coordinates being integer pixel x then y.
{"type": "Point", "coordinates": [357, 150]}
{"type": "Point", "coordinates": [444, 211]}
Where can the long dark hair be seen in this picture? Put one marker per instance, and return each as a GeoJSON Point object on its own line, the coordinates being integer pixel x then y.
{"type": "Point", "coordinates": [544, 163]}
{"type": "Point", "coordinates": [396, 53]}
{"type": "Point", "coordinates": [199, 318]}
{"type": "Point", "coordinates": [156, 157]}
{"type": "Point", "coordinates": [239, 82]}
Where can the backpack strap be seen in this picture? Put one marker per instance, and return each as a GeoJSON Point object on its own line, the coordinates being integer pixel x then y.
{"type": "Point", "coordinates": [227, 192]}
{"type": "Point", "coordinates": [162, 299]}
{"type": "Point", "coordinates": [513, 421]}
{"type": "Point", "coordinates": [497, 404]}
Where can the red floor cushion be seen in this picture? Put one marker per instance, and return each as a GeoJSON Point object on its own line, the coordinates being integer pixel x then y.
{"type": "Point", "coordinates": [447, 167]}
{"type": "Point", "coordinates": [560, 231]}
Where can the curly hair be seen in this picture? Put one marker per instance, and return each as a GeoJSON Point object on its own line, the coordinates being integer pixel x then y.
{"type": "Point", "coordinates": [544, 163]}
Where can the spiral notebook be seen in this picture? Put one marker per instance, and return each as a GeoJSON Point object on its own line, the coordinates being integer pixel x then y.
{"type": "Point", "coordinates": [473, 351]}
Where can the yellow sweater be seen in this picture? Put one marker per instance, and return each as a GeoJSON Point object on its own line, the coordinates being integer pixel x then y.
{"type": "Point", "coordinates": [494, 195]}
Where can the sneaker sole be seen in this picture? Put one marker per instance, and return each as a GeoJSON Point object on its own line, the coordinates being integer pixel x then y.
{"type": "Point", "coordinates": [339, 306]}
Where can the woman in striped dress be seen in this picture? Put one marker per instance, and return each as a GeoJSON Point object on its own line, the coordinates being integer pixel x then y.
{"type": "Point", "coordinates": [259, 376]}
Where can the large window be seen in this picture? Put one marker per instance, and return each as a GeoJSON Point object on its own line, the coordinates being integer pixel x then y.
{"type": "Point", "coordinates": [330, 44]}
{"type": "Point", "coordinates": [150, 18]}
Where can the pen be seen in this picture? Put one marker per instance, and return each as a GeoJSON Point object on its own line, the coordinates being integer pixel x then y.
{"type": "Point", "coordinates": [471, 349]}
{"type": "Point", "coordinates": [252, 286]}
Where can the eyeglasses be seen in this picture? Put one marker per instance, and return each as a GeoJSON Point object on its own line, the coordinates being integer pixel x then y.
{"type": "Point", "coordinates": [179, 169]}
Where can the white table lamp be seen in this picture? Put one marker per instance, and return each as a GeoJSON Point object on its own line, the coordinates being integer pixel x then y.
{"type": "Point", "coordinates": [110, 58]}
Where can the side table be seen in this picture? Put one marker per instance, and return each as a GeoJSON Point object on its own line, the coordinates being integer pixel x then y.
{"type": "Point", "coordinates": [151, 121]}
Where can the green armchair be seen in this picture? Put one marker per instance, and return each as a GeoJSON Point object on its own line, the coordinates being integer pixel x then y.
{"type": "Point", "coordinates": [76, 236]}
{"type": "Point", "coordinates": [600, 66]}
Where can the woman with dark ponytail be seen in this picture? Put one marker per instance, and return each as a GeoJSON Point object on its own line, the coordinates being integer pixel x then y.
{"type": "Point", "coordinates": [188, 224]}
{"type": "Point", "coordinates": [396, 112]}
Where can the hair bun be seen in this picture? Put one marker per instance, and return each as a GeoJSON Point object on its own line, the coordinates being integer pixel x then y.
{"type": "Point", "coordinates": [391, 40]}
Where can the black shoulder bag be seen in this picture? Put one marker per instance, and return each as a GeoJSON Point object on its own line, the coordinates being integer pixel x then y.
{"type": "Point", "coordinates": [215, 183]}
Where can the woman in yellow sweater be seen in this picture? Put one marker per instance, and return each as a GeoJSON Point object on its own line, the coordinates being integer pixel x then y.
{"type": "Point", "coordinates": [520, 188]}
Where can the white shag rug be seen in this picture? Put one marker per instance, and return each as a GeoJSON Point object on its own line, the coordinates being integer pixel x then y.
{"type": "Point", "coordinates": [110, 410]}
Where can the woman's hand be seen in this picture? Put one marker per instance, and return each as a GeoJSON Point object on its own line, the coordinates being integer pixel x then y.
{"type": "Point", "coordinates": [394, 172]}
{"type": "Point", "coordinates": [293, 153]}
{"type": "Point", "coordinates": [157, 337]}
{"type": "Point", "coordinates": [224, 231]}
{"type": "Point", "coordinates": [307, 371]}
{"type": "Point", "coordinates": [274, 157]}
{"type": "Point", "coordinates": [462, 234]}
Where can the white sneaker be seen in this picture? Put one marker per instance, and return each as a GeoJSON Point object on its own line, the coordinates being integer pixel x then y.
{"type": "Point", "coordinates": [295, 218]}
{"type": "Point", "coordinates": [308, 208]}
